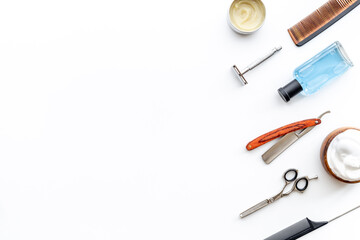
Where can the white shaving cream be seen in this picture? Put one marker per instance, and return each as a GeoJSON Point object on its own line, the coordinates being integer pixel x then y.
{"type": "Point", "coordinates": [343, 155]}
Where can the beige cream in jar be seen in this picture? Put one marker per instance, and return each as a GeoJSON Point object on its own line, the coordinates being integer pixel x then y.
{"type": "Point", "coordinates": [246, 16]}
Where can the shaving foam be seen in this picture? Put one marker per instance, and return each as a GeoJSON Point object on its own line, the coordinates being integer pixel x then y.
{"type": "Point", "coordinates": [343, 155]}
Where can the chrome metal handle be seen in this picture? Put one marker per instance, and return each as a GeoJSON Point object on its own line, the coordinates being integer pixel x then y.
{"type": "Point", "coordinates": [263, 59]}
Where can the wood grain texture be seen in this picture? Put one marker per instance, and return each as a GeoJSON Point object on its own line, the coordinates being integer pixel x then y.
{"type": "Point", "coordinates": [320, 19]}
{"type": "Point", "coordinates": [267, 137]}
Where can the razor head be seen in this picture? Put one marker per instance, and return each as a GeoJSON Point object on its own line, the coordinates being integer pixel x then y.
{"type": "Point", "coordinates": [239, 75]}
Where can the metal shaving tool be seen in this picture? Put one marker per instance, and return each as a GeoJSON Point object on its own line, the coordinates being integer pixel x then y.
{"type": "Point", "coordinates": [240, 74]}
{"type": "Point", "coordinates": [285, 142]}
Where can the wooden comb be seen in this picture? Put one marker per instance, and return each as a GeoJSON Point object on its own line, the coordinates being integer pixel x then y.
{"type": "Point", "coordinates": [321, 19]}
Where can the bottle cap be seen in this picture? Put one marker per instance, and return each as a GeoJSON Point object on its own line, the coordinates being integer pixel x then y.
{"type": "Point", "coordinates": [290, 90]}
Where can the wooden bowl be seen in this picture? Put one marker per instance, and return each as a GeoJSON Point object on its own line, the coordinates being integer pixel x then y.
{"type": "Point", "coordinates": [324, 149]}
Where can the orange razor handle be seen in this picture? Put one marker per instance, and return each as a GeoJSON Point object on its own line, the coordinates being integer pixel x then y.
{"type": "Point", "coordinates": [267, 137]}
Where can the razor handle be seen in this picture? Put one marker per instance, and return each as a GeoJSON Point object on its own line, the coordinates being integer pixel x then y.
{"type": "Point", "coordinates": [267, 137]}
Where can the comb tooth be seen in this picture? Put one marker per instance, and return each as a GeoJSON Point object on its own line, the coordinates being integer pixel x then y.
{"type": "Point", "coordinates": [344, 3]}
{"type": "Point", "coordinates": [340, 3]}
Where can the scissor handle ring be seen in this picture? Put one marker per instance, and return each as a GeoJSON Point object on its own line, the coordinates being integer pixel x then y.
{"type": "Point", "coordinates": [293, 171]}
{"type": "Point", "coordinates": [301, 189]}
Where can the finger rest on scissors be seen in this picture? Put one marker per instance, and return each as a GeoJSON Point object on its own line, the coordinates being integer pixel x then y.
{"type": "Point", "coordinates": [302, 183]}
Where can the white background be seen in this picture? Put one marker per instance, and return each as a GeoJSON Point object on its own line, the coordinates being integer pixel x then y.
{"type": "Point", "coordinates": [123, 120]}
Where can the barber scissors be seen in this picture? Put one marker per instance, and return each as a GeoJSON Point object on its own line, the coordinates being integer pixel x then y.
{"type": "Point", "coordinates": [290, 176]}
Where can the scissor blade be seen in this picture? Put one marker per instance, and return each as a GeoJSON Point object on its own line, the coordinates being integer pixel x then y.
{"type": "Point", "coordinates": [279, 147]}
{"type": "Point", "coordinates": [253, 209]}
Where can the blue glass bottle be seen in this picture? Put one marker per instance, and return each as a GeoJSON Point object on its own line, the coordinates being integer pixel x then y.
{"type": "Point", "coordinates": [316, 72]}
